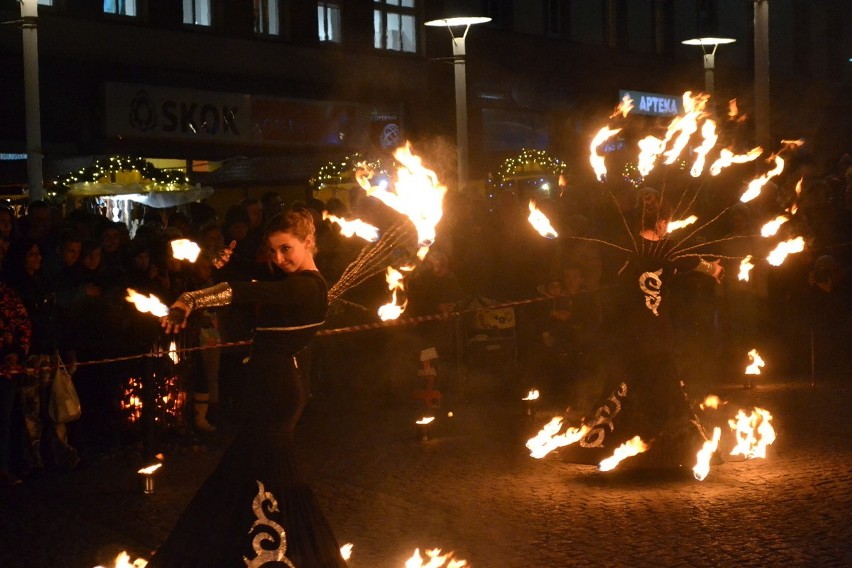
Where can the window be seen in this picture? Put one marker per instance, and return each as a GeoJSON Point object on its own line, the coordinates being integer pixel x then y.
{"type": "Point", "coordinates": [394, 25]}
{"type": "Point", "coordinates": [45, 2]}
{"type": "Point", "coordinates": [328, 21]}
{"type": "Point", "coordinates": [197, 12]}
{"type": "Point", "coordinates": [120, 7]}
{"type": "Point", "coordinates": [266, 17]}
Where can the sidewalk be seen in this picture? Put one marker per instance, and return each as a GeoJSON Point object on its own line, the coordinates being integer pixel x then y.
{"type": "Point", "coordinates": [473, 489]}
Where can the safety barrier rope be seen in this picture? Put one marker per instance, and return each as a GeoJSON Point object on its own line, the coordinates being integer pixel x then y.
{"type": "Point", "coordinates": [8, 371]}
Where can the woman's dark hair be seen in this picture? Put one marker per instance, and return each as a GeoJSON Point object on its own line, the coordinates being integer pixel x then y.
{"type": "Point", "coordinates": [297, 221]}
{"type": "Point", "coordinates": [652, 208]}
{"type": "Point", "coordinates": [13, 263]}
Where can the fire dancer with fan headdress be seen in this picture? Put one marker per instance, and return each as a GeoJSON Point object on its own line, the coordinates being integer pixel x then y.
{"type": "Point", "coordinates": [650, 402]}
{"type": "Point", "coordinates": [255, 508]}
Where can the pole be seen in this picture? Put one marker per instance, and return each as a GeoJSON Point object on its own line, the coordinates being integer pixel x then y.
{"type": "Point", "coordinates": [709, 67]}
{"type": "Point", "coordinates": [149, 405]}
{"type": "Point", "coordinates": [29, 15]}
{"type": "Point", "coordinates": [461, 109]}
{"type": "Point", "coordinates": [761, 73]}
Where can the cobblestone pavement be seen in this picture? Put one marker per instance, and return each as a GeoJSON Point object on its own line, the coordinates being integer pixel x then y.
{"type": "Point", "coordinates": [473, 489]}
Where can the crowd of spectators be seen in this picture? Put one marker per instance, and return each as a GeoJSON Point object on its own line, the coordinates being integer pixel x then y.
{"type": "Point", "coordinates": [63, 283]}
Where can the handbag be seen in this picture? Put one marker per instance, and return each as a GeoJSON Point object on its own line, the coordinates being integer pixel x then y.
{"type": "Point", "coordinates": [64, 403]}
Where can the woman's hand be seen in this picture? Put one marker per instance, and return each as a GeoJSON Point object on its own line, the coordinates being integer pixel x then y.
{"type": "Point", "coordinates": [224, 255]}
{"type": "Point", "coordinates": [176, 318]}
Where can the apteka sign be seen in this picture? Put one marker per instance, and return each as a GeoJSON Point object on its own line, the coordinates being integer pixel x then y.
{"type": "Point", "coordinates": [653, 104]}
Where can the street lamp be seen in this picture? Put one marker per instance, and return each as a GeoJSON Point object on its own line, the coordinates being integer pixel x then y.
{"type": "Point", "coordinates": [708, 47]}
{"type": "Point", "coordinates": [29, 23]}
{"type": "Point", "coordinates": [461, 85]}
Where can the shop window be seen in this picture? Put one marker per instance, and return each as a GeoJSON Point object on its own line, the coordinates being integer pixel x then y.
{"type": "Point", "coordinates": [120, 7]}
{"type": "Point", "coordinates": [395, 25]}
{"type": "Point", "coordinates": [197, 13]}
{"type": "Point", "coordinates": [267, 19]}
{"type": "Point", "coordinates": [328, 21]}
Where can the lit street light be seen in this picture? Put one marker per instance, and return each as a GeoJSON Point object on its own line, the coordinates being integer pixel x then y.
{"type": "Point", "coordinates": [461, 86]}
{"type": "Point", "coordinates": [708, 47]}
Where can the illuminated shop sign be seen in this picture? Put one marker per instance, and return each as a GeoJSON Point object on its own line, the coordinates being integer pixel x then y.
{"type": "Point", "coordinates": [653, 104]}
{"type": "Point", "coordinates": [143, 111]}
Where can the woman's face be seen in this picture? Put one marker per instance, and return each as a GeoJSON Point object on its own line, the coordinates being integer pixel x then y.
{"type": "Point", "coordinates": [289, 253]}
{"type": "Point", "coordinates": [32, 262]}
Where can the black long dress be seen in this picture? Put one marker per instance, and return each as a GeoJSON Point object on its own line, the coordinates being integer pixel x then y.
{"type": "Point", "coordinates": [255, 509]}
{"type": "Point", "coordinates": [649, 399]}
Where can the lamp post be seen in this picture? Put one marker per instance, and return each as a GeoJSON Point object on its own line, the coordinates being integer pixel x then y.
{"type": "Point", "coordinates": [29, 18]}
{"type": "Point", "coordinates": [461, 85]}
{"type": "Point", "coordinates": [761, 72]}
{"type": "Point", "coordinates": [709, 45]}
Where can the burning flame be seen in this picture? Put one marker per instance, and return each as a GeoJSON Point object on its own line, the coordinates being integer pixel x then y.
{"type": "Point", "coordinates": [185, 249]}
{"type": "Point", "coordinates": [702, 466]}
{"type": "Point", "coordinates": [173, 353]}
{"type": "Point", "coordinates": [540, 222]}
{"type": "Point", "coordinates": [346, 550]}
{"type": "Point", "coordinates": [779, 253]}
{"type": "Point", "coordinates": [755, 185]}
{"type": "Point", "coordinates": [147, 304]}
{"type": "Point", "coordinates": [628, 449]}
{"type": "Point", "coordinates": [756, 363]}
{"type": "Point", "coordinates": [753, 432]}
{"type": "Point", "coordinates": [150, 469]}
{"type": "Point", "coordinates": [392, 310]}
{"type": "Point", "coordinates": [417, 194]}
{"type": "Point", "coordinates": [425, 420]}
{"type": "Point", "coordinates": [681, 223]}
{"type": "Point", "coordinates": [708, 131]}
{"type": "Point", "coordinates": [435, 560]}
{"type": "Point", "coordinates": [771, 228]}
{"type": "Point", "coordinates": [548, 440]}
{"type": "Point", "coordinates": [649, 148]}
{"type": "Point", "coordinates": [354, 227]}
{"type": "Point", "coordinates": [734, 113]}
{"type": "Point", "coordinates": [533, 395]}
{"type": "Point", "coordinates": [711, 401]}
{"type": "Point", "coordinates": [795, 207]}
{"type": "Point", "coordinates": [727, 157]}
{"type": "Point", "coordinates": [745, 269]}
{"type": "Point", "coordinates": [597, 161]}
{"type": "Point", "coordinates": [123, 561]}
{"type": "Point", "coordinates": [686, 124]}
{"type": "Point", "coordinates": [624, 107]}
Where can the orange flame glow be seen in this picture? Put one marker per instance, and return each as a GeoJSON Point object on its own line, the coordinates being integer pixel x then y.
{"type": "Point", "coordinates": [185, 249]}
{"type": "Point", "coordinates": [532, 395]}
{"type": "Point", "coordinates": [150, 469]}
{"type": "Point", "coordinates": [727, 157]}
{"type": "Point", "coordinates": [355, 227]}
{"type": "Point", "coordinates": [595, 159]}
{"type": "Point", "coordinates": [147, 304]}
{"type": "Point", "coordinates": [779, 253]}
{"type": "Point", "coordinates": [346, 551]}
{"type": "Point", "coordinates": [123, 561]}
{"type": "Point", "coordinates": [755, 185]}
{"type": "Point", "coordinates": [434, 559]}
{"type": "Point", "coordinates": [756, 363]}
{"type": "Point", "coordinates": [754, 433]}
{"type": "Point", "coordinates": [702, 465]}
{"type": "Point", "coordinates": [425, 420]}
{"type": "Point", "coordinates": [624, 107]}
{"type": "Point", "coordinates": [686, 125]}
{"type": "Point", "coordinates": [681, 223]}
{"type": "Point", "coordinates": [548, 438]}
{"type": "Point", "coordinates": [540, 222]}
{"type": "Point", "coordinates": [711, 401]}
{"type": "Point", "coordinates": [771, 228]}
{"type": "Point", "coordinates": [708, 132]}
{"type": "Point", "coordinates": [628, 449]}
{"type": "Point", "coordinates": [745, 269]}
{"type": "Point", "coordinates": [173, 353]}
{"type": "Point", "coordinates": [393, 310]}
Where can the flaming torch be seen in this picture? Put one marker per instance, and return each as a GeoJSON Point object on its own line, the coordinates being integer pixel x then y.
{"type": "Point", "coordinates": [597, 161]}
{"type": "Point", "coordinates": [681, 223]}
{"type": "Point", "coordinates": [630, 448]}
{"type": "Point", "coordinates": [123, 561]}
{"type": "Point", "coordinates": [779, 253]}
{"type": "Point", "coordinates": [754, 433]}
{"type": "Point", "coordinates": [393, 310]}
{"type": "Point", "coordinates": [745, 269]}
{"type": "Point", "coordinates": [185, 249]}
{"type": "Point", "coordinates": [423, 427]}
{"type": "Point", "coordinates": [770, 229]}
{"type": "Point", "coordinates": [548, 438]}
{"type": "Point", "coordinates": [754, 367]}
{"type": "Point", "coordinates": [702, 466]}
{"type": "Point", "coordinates": [434, 560]}
{"type": "Point", "coordinates": [540, 222]}
{"type": "Point", "coordinates": [530, 399]}
{"type": "Point", "coordinates": [147, 474]}
{"type": "Point", "coordinates": [355, 227]}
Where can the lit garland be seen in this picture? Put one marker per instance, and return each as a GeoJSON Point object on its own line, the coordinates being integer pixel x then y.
{"type": "Point", "coordinates": [116, 168]}
{"type": "Point", "coordinates": [630, 173]}
{"type": "Point", "coordinates": [342, 172]}
{"type": "Point", "coordinates": [529, 161]}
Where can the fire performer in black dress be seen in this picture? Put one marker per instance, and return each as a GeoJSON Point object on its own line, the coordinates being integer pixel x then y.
{"type": "Point", "coordinates": [651, 401]}
{"type": "Point", "coordinates": [255, 508]}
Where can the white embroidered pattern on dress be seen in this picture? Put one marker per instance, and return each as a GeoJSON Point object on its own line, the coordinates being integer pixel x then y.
{"type": "Point", "coordinates": [270, 539]}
